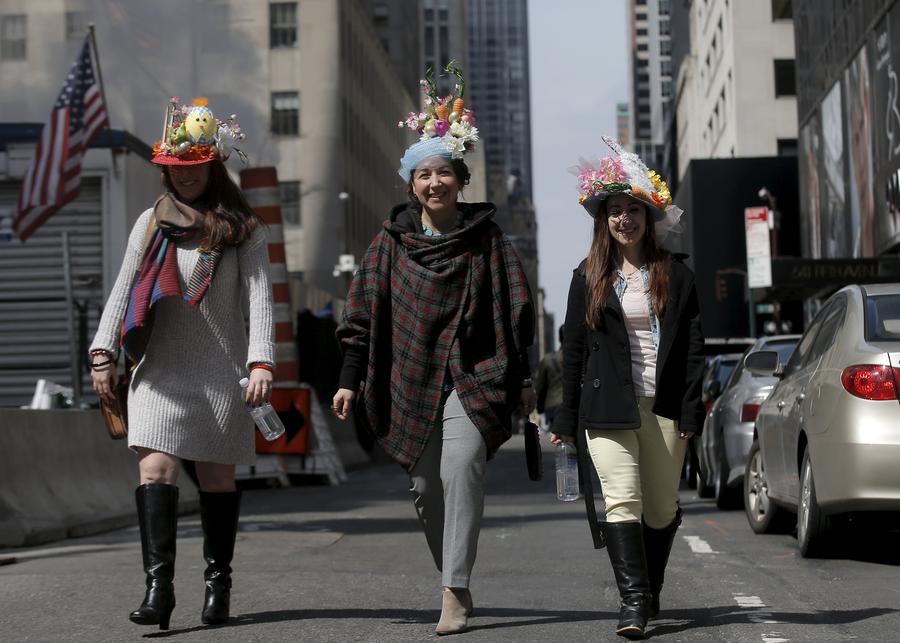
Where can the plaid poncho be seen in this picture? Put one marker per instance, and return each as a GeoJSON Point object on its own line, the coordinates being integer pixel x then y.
{"type": "Point", "coordinates": [420, 304]}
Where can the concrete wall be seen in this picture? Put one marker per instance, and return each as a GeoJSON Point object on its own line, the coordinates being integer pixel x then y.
{"type": "Point", "coordinates": [61, 476]}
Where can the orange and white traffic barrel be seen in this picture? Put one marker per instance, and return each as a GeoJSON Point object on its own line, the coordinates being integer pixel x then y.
{"type": "Point", "coordinates": [260, 187]}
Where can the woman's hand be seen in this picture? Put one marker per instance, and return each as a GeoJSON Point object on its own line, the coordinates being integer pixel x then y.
{"type": "Point", "coordinates": [342, 403]}
{"type": "Point", "coordinates": [685, 435]}
{"type": "Point", "coordinates": [559, 439]}
{"type": "Point", "coordinates": [104, 380]}
{"type": "Point", "coordinates": [259, 390]}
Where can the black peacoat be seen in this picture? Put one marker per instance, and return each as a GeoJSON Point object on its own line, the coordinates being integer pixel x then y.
{"type": "Point", "coordinates": [598, 391]}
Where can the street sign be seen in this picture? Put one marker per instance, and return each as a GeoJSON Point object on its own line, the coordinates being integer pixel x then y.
{"type": "Point", "coordinates": [759, 253]}
{"type": "Point", "coordinates": [765, 309]}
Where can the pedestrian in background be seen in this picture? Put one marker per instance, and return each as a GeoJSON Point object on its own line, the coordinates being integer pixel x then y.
{"type": "Point", "coordinates": [434, 333]}
{"type": "Point", "coordinates": [633, 364]}
{"type": "Point", "coordinates": [548, 382]}
{"type": "Point", "coordinates": [190, 260]}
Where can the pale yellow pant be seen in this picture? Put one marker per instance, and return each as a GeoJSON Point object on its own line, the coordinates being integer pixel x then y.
{"type": "Point", "coordinates": [639, 469]}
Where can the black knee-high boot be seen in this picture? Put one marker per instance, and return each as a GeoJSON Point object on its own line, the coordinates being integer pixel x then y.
{"type": "Point", "coordinates": [625, 544]}
{"type": "Point", "coordinates": [658, 543]}
{"type": "Point", "coordinates": [157, 507]}
{"type": "Point", "coordinates": [219, 514]}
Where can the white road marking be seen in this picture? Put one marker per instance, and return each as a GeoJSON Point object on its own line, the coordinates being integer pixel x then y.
{"type": "Point", "coordinates": [746, 601]}
{"type": "Point", "coordinates": [698, 545]}
{"type": "Point", "coordinates": [774, 637]}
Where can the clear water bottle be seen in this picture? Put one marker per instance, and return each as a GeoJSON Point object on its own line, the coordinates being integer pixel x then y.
{"type": "Point", "coordinates": [265, 417]}
{"type": "Point", "coordinates": [566, 472]}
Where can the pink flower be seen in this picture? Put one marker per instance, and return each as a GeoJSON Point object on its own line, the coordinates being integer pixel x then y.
{"type": "Point", "coordinates": [611, 170]}
{"type": "Point", "coordinates": [441, 127]}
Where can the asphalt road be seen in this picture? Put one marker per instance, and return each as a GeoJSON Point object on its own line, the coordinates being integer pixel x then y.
{"type": "Point", "coordinates": [349, 563]}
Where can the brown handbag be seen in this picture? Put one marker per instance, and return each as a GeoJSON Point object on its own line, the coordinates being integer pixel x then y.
{"type": "Point", "coordinates": [115, 414]}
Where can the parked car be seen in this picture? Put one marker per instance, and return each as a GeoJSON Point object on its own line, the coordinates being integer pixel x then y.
{"type": "Point", "coordinates": [728, 428]}
{"type": "Point", "coordinates": [828, 437]}
{"type": "Point", "coordinates": [717, 371]}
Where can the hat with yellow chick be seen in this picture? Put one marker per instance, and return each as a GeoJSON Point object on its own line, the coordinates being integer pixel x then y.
{"type": "Point", "coordinates": [193, 135]}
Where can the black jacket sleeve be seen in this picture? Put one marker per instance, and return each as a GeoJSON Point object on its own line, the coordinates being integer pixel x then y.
{"type": "Point", "coordinates": [692, 411]}
{"type": "Point", "coordinates": [566, 420]}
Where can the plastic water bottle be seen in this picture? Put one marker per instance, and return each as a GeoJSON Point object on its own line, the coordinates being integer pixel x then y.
{"type": "Point", "coordinates": [265, 417]}
{"type": "Point", "coordinates": [566, 472]}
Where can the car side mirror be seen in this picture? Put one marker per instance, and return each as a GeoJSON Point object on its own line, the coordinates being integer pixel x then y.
{"type": "Point", "coordinates": [714, 388]}
{"type": "Point", "coordinates": [764, 363]}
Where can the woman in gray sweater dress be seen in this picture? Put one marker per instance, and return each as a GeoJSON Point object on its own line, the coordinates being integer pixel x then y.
{"type": "Point", "coordinates": [196, 264]}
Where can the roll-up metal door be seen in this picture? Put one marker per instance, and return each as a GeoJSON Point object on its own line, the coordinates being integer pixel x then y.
{"type": "Point", "coordinates": [34, 326]}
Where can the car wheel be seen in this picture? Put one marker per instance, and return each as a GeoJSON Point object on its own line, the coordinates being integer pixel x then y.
{"type": "Point", "coordinates": [762, 513]}
{"type": "Point", "coordinates": [813, 527]}
{"type": "Point", "coordinates": [726, 497]}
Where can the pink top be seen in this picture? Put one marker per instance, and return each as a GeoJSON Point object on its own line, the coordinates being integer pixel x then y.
{"type": "Point", "coordinates": [637, 323]}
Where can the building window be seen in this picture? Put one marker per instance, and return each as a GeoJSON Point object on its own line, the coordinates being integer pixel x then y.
{"type": "Point", "coordinates": [380, 14]}
{"type": "Point", "coordinates": [782, 10]}
{"type": "Point", "coordinates": [665, 67]}
{"type": "Point", "coordinates": [76, 25]}
{"type": "Point", "coordinates": [642, 46]}
{"type": "Point", "coordinates": [787, 147]}
{"type": "Point", "coordinates": [282, 25]}
{"type": "Point", "coordinates": [286, 113]}
{"type": "Point", "coordinates": [12, 37]}
{"type": "Point", "coordinates": [785, 84]}
{"type": "Point", "coordinates": [642, 32]}
{"type": "Point", "coordinates": [290, 202]}
{"type": "Point", "coordinates": [664, 27]}
{"type": "Point", "coordinates": [665, 7]}
{"type": "Point", "coordinates": [665, 47]}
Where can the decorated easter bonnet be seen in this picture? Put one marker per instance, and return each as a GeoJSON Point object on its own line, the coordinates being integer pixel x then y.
{"type": "Point", "coordinates": [193, 135]}
{"type": "Point", "coordinates": [446, 126]}
{"type": "Point", "coordinates": [625, 173]}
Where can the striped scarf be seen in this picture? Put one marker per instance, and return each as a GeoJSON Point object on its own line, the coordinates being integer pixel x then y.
{"type": "Point", "coordinates": [158, 277]}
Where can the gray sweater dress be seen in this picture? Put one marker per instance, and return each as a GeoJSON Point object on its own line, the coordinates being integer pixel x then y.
{"type": "Point", "coordinates": [184, 397]}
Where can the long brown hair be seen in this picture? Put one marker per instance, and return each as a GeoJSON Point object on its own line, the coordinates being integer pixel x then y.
{"type": "Point", "coordinates": [228, 218]}
{"type": "Point", "coordinates": [600, 268]}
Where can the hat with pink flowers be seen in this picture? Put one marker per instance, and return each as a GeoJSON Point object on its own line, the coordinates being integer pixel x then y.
{"type": "Point", "coordinates": [446, 126]}
{"type": "Point", "coordinates": [625, 173]}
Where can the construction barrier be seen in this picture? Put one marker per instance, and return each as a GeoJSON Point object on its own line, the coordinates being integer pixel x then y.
{"type": "Point", "coordinates": [62, 477]}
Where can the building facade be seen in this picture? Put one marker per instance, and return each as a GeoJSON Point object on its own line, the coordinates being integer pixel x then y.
{"type": "Point", "coordinates": [848, 59]}
{"type": "Point", "coordinates": [445, 37]}
{"type": "Point", "coordinates": [650, 77]}
{"type": "Point", "coordinates": [499, 90]}
{"type": "Point", "coordinates": [623, 124]}
{"type": "Point", "coordinates": [736, 89]}
{"type": "Point", "coordinates": [397, 24]}
{"type": "Point", "coordinates": [314, 89]}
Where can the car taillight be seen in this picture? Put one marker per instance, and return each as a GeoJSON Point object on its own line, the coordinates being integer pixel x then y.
{"type": "Point", "coordinates": [871, 381]}
{"type": "Point", "coordinates": [749, 411]}
{"type": "Point", "coordinates": [709, 405]}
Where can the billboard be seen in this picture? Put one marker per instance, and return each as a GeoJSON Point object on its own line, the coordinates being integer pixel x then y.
{"type": "Point", "coordinates": [810, 187]}
{"type": "Point", "coordinates": [886, 130]}
{"type": "Point", "coordinates": [860, 193]}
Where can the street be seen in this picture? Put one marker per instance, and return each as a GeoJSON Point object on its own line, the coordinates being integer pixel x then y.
{"type": "Point", "coordinates": [349, 563]}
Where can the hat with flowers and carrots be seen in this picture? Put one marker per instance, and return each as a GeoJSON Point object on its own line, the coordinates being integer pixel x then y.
{"type": "Point", "coordinates": [625, 173]}
{"type": "Point", "coordinates": [446, 126]}
{"type": "Point", "coordinates": [193, 135]}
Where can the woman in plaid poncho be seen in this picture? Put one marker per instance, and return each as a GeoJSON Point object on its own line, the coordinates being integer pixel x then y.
{"type": "Point", "coordinates": [435, 332]}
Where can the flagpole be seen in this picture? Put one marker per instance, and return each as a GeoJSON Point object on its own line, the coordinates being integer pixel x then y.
{"type": "Point", "coordinates": [102, 89]}
{"type": "Point", "coordinates": [74, 357]}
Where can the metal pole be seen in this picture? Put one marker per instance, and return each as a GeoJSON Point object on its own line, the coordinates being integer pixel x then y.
{"type": "Point", "coordinates": [750, 306]}
{"type": "Point", "coordinates": [70, 315]}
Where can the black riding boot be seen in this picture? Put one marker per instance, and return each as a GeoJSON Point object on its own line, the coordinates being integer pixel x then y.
{"type": "Point", "coordinates": [157, 507]}
{"type": "Point", "coordinates": [658, 543]}
{"type": "Point", "coordinates": [219, 515]}
{"type": "Point", "coordinates": [625, 544]}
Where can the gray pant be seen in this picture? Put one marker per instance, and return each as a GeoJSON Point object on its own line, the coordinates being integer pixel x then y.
{"type": "Point", "coordinates": [447, 484]}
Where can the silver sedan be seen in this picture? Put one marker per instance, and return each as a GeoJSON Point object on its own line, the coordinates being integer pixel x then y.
{"type": "Point", "coordinates": [728, 428]}
{"type": "Point", "coordinates": [828, 437]}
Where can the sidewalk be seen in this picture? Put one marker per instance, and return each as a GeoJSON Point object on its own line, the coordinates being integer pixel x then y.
{"type": "Point", "coordinates": [345, 563]}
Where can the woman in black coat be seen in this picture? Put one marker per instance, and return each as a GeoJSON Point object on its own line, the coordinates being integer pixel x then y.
{"type": "Point", "coordinates": [632, 370]}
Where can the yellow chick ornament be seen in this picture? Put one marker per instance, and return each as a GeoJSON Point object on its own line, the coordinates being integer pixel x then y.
{"type": "Point", "coordinates": [201, 125]}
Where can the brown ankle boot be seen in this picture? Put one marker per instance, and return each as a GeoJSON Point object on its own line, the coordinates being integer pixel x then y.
{"type": "Point", "coordinates": [456, 603]}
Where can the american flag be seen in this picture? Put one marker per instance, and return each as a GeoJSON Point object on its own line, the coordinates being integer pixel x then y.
{"type": "Point", "coordinates": [54, 177]}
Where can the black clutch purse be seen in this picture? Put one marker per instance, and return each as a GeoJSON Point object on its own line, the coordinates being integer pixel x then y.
{"type": "Point", "coordinates": [534, 459]}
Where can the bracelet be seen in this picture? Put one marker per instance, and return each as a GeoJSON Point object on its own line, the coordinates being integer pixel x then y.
{"type": "Point", "coordinates": [97, 365]}
{"type": "Point", "coordinates": [262, 365]}
{"type": "Point", "coordinates": [101, 351]}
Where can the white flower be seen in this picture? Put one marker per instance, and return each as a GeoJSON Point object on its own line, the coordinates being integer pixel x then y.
{"type": "Point", "coordinates": [464, 131]}
{"type": "Point", "coordinates": [456, 146]}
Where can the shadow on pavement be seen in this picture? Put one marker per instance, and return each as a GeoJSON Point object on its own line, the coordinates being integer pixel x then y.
{"type": "Point", "coordinates": [404, 617]}
{"type": "Point", "coordinates": [693, 619]}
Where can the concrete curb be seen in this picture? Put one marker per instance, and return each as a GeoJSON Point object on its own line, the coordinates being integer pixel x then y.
{"type": "Point", "coordinates": [61, 476]}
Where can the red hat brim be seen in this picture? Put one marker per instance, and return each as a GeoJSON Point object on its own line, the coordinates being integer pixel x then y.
{"type": "Point", "coordinates": [168, 159]}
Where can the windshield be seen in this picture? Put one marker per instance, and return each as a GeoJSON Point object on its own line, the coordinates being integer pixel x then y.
{"type": "Point", "coordinates": [883, 318]}
{"type": "Point", "coordinates": [725, 369]}
{"type": "Point", "coordinates": [784, 349]}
